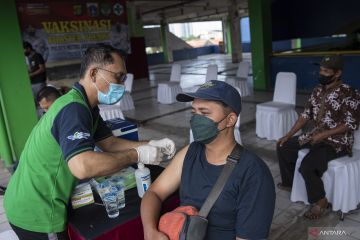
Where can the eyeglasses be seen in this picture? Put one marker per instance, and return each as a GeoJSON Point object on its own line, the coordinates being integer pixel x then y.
{"type": "Point", "coordinates": [121, 77]}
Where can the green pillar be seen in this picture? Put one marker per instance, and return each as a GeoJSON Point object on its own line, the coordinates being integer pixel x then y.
{"type": "Point", "coordinates": [18, 108]}
{"type": "Point", "coordinates": [261, 41]}
{"type": "Point", "coordinates": [228, 36]}
{"type": "Point", "coordinates": [134, 21]}
{"type": "Point", "coordinates": [164, 29]}
{"type": "Point", "coordinates": [5, 149]}
{"type": "Point", "coordinates": [296, 44]}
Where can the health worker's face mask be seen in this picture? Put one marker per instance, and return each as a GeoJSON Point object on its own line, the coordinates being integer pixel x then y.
{"type": "Point", "coordinates": [204, 129]}
{"type": "Point", "coordinates": [325, 80]}
{"type": "Point", "coordinates": [115, 93]}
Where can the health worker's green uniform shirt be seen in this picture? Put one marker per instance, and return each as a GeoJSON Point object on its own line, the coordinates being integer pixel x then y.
{"type": "Point", "coordinates": [39, 191]}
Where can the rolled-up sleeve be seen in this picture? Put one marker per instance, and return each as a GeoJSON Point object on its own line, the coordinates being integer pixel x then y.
{"type": "Point", "coordinates": [308, 110]}
{"type": "Point", "coordinates": [350, 107]}
{"type": "Point", "coordinates": [72, 130]}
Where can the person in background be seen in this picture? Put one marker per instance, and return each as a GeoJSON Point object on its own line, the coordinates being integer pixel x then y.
{"type": "Point", "coordinates": [47, 96]}
{"type": "Point", "coordinates": [60, 149]}
{"type": "Point", "coordinates": [37, 38]}
{"type": "Point", "coordinates": [64, 89]}
{"type": "Point", "coordinates": [36, 68]}
{"type": "Point", "coordinates": [2, 190]}
{"type": "Point", "coordinates": [245, 207]}
{"type": "Point", "coordinates": [334, 108]}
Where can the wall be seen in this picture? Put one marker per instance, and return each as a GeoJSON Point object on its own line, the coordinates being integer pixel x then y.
{"type": "Point", "coordinates": [326, 41]}
{"type": "Point", "coordinates": [308, 18]}
{"type": "Point", "coordinates": [306, 70]}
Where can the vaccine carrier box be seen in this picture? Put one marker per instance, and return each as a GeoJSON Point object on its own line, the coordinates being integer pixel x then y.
{"type": "Point", "coordinates": [123, 128]}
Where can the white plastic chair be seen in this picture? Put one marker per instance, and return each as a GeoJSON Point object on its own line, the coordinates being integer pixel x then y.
{"type": "Point", "coordinates": [341, 180]}
{"type": "Point", "coordinates": [8, 235]}
{"type": "Point", "coordinates": [175, 75]}
{"type": "Point", "coordinates": [110, 111]}
{"type": "Point", "coordinates": [129, 82]}
{"type": "Point", "coordinates": [211, 72]}
{"type": "Point", "coordinates": [241, 79]}
{"type": "Point", "coordinates": [166, 92]}
{"type": "Point", "coordinates": [127, 102]}
{"type": "Point", "coordinates": [274, 119]}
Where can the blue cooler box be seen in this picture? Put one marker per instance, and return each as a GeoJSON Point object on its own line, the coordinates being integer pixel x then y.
{"type": "Point", "coordinates": [123, 128]}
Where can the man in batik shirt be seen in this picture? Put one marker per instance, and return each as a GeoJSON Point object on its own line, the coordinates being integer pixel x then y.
{"type": "Point", "coordinates": [334, 108]}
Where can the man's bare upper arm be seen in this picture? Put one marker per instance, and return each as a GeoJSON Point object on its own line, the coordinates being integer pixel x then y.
{"type": "Point", "coordinates": [169, 180]}
{"type": "Point", "coordinates": [76, 166]}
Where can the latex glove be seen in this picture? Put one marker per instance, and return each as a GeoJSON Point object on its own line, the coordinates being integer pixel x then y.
{"type": "Point", "coordinates": [148, 154]}
{"type": "Point", "coordinates": [166, 145]}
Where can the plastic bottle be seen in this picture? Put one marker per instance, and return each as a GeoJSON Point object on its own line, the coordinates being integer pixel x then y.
{"type": "Point", "coordinates": [143, 179]}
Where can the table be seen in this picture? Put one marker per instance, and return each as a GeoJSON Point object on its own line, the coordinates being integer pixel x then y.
{"type": "Point", "coordinates": [92, 222]}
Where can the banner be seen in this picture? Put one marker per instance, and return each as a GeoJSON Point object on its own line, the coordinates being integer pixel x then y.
{"type": "Point", "coordinates": [63, 30]}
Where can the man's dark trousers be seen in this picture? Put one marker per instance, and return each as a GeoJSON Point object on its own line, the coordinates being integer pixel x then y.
{"type": "Point", "coordinates": [313, 166]}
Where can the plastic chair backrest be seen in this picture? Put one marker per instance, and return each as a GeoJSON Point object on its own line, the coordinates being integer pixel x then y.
{"type": "Point", "coordinates": [243, 70]}
{"type": "Point", "coordinates": [238, 121]}
{"type": "Point", "coordinates": [129, 82]}
{"type": "Point", "coordinates": [8, 235]}
{"type": "Point", "coordinates": [356, 139]}
{"type": "Point", "coordinates": [285, 88]}
{"type": "Point", "coordinates": [175, 73]}
{"type": "Point", "coordinates": [211, 72]}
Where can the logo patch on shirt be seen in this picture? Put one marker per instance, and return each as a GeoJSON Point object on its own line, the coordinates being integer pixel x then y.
{"type": "Point", "coordinates": [78, 135]}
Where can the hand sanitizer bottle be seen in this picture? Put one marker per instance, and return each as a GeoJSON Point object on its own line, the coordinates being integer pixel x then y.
{"type": "Point", "coordinates": [143, 179]}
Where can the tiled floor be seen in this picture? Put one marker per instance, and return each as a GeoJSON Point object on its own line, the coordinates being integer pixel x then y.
{"type": "Point", "coordinates": [157, 121]}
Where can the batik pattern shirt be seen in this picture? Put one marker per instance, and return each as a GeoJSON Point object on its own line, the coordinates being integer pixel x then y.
{"type": "Point", "coordinates": [330, 108]}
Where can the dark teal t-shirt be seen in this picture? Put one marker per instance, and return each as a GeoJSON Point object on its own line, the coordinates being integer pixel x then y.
{"type": "Point", "coordinates": [246, 205]}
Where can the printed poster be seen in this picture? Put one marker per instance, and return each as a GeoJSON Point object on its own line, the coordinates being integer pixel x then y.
{"type": "Point", "coordinates": [63, 30]}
